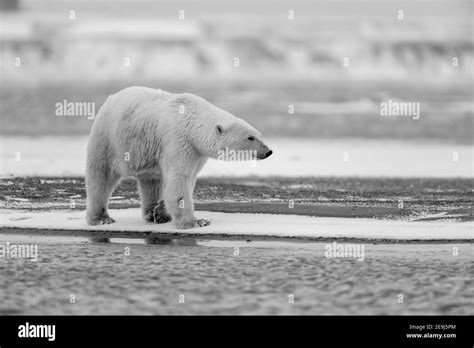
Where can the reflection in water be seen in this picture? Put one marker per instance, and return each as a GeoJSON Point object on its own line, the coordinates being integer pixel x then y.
{"type": "Point", "coordinates": [170, 241]}
{"type": "Point", "coordinates": [100, 239]}
{"type": "Point", "coordinates": [154, 240]}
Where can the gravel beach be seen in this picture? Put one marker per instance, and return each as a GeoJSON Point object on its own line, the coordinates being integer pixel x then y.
{"type": "Point", "coordinates": [123, 278]}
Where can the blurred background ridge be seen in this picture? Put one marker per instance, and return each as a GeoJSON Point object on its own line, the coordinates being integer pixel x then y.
{"type": "Point", "coordinates": [74, 39]}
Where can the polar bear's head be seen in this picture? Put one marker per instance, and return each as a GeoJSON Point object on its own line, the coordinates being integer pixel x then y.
{"type": "Point", "coordinates": [218, 134]}
{"type": "Point", "coordinates": [239, 141]}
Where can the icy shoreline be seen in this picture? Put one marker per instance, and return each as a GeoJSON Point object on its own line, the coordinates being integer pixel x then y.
{"type": "Point", "coordinates": [129, 224]}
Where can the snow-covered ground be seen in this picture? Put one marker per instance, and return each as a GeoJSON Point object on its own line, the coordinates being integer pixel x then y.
{"type": "Point", "coordinates": [65, 156]}
{"type": "Point", "coordinates": [269, 225]}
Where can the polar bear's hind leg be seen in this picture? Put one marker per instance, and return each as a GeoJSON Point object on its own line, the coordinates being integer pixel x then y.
{"type": "Point", "coordinates": [153, 209]}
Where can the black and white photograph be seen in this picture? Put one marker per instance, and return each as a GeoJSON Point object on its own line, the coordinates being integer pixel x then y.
{"type": "Point", "coordinates": [243, 158]}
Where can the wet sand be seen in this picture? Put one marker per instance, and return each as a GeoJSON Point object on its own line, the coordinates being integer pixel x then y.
{"type": "Point", "coordinates": [213, 280]}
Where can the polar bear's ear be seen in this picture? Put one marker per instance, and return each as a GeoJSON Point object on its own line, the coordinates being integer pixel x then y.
{"type": "Point", "coordinates": [219, 129]}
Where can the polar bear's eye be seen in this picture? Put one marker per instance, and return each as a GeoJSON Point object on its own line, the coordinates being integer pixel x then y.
{"type": "Point", "coordinates": [251, 138]}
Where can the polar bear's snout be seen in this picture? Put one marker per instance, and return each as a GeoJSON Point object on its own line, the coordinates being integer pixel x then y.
{"type": "Point", "coordinates": [264, 152]}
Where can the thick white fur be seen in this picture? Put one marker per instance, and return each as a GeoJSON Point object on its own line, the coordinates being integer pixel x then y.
{"type": "Point", "coordinates": [139, 132]}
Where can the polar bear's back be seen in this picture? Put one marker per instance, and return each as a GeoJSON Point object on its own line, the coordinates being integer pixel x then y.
{"type": "Point", "coordinates": [133, 97]}
{"type": "Point", "coordinates": [130, 105]}
{"type": "Point", "coordinates": [144, 92]}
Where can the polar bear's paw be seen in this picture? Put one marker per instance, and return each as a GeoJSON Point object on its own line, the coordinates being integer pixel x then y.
{"type": "Point", "coordinates": [107, 220]}
{"type": "Point", "coordinates": [160, 216]}
{"type": "Point", "coordinates": [162, 219]}
{"type": "Point", "coordinates": [98, 217]}
{"type": "Point", "coordinates": [203, 222]}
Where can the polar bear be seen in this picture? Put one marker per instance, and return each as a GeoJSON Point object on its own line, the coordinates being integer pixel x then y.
{"type": "Point", "coordinates": [163, 140]}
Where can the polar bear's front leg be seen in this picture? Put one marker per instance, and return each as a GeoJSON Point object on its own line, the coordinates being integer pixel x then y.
{"type": "Point", "coordinates": [178, 197]}
{"type": "Point", "coordinates": [100, 182]}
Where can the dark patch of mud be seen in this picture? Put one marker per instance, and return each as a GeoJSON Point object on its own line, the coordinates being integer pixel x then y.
{"type": "Point", "coordinates": [419, 199]}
